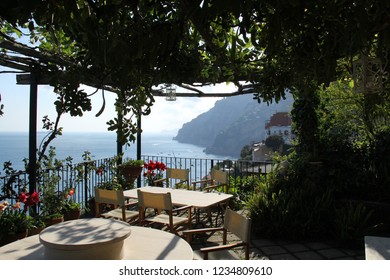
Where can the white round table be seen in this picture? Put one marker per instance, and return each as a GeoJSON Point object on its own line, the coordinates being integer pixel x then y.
{"type": "Point", "coordinates": [142, 244]}
{"type": "Point", "coordinates": [85, 239]}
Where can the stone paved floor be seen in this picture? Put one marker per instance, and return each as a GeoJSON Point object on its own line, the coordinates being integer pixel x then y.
{"type": "Point", "coordinates": [267, 249]}
{"type": "Point", "coordinates": [284, 249]}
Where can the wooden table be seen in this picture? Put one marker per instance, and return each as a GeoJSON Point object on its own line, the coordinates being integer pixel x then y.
{"type": "Point", "coordinates": [141, 244]}
{"type": "Point", "coordinates": [180, 197]}
{"type": "Point", "coordinates": [377, 248]}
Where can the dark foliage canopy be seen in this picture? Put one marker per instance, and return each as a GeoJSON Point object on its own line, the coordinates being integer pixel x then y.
{"type": "Point", "coordinates": [130, 46]}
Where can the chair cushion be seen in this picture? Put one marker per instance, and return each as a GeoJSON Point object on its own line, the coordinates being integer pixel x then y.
{"type": "Point", "coordinates": [164, 219]}
{"type": "Point", "coordinates": [117, 214]}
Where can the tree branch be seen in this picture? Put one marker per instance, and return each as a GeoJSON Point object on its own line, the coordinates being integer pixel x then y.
{"type": "Point", "coordinates": [192, 88]}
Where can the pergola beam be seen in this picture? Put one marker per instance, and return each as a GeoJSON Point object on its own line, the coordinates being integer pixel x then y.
{"type": "Point", "coordinates": [201, 95]}
{"type": "Point", "coordinates": [28, 57]}
{"type": "Point", "coordinates": [11, 64]}
{"type": "Point", "coordinates": [24, 79]}
{"type": "Point", "coordinates": [29, 52]}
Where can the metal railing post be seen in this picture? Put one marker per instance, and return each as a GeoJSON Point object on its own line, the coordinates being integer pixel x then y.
{"type": "Point", "coordinates": [86, 185]}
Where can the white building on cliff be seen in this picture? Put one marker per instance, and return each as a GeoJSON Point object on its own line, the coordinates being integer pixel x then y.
{"type": "Point", "coordinates": [279, 124]}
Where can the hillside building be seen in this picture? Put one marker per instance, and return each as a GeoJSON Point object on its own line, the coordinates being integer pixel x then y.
{"type": "Point", "coordinates": [279, 124]}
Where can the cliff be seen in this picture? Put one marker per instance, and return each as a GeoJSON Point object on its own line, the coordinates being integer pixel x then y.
{"type": "Point", "coordinates": [232, 123]}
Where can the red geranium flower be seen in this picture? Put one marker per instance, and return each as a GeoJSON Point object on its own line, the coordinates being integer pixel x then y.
{"type": "Point", "coordinates": [153, 171]}
{"type": "Point", "coordinates": [160, 166]}
{"type": "Point", "coordinates": [28, 199]}
{"type": "Point", "coordinates": [151, 165]}
{"type": "Point", "coordinates": [34, 197]}
{"type": "Point", "coordinates": [22, 197]}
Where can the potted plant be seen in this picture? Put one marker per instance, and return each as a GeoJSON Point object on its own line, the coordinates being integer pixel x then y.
{"type": "Point", "coordinates": [71, 209]}
{"type": "Point", "coordinates": [30, 200]}
{"type": "Point", "coordinates": [14, 222]}
{"type": "Point", "coordinates": [154, 171]}
{"type": "Point", "coordinates": [52, 202]}
{"type": "Point", "coordinates": [131, 169]}
{"type": "Point", "coordinates": [52, 199]}
{"type": "Point", "coordinates": [37, 225]}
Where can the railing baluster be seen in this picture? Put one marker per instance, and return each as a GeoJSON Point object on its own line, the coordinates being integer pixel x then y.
{"type": "Point", "coordinates": [86, 184]}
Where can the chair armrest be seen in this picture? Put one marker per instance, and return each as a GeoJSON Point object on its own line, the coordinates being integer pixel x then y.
{"type": "Point", "coordinates": [202, 181]}
{"type": "Point", "coordinates": [222, 247]}
{"type": "Point", "coordinates": [160, 180]}
{"type": "Point", "coordinates": [208, 188]}
{"type": "Point", "coordinates": [202, 230]}
{"type": "Point", "coordinates": [178, 184]}
{"type": "Point", "coordinates": [190, 232]}
{"type": "Point", "coordinates": [211, 187]}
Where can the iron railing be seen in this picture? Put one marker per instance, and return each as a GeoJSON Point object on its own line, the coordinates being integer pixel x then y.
{"type": "Point", "coordinates": [200, 168]}
{"type": "Point", "coordinates": [86, 175]}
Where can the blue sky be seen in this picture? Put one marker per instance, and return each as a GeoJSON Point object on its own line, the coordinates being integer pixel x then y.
{"type": "Point", "coordinates": [165, 117]}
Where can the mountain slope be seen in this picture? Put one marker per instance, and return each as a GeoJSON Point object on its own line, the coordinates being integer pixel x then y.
{"type": "Point", "coordinates": [202, 130]}
{"type": "Point", "coordinates": [232, 123]}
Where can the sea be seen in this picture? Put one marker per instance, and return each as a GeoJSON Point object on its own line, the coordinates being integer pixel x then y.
{"type": "Point", "coordinates": [14, 147]}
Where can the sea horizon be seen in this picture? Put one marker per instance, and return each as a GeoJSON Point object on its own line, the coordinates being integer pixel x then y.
{"type": "Point", "coordinates": [100, 145]}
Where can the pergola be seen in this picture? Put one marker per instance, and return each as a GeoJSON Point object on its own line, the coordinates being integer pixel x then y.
{"type": "Point", "coordinates": [33, 68]}
{"type": "Point", "coordinates": [127, 47]}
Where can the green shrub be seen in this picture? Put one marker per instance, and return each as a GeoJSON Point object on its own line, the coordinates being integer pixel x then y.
{"type": "Point", "coordinates": [349, 150]}
{"type": "Point", "coordinates": [380, 153]}
{"type": "Point", "coordinates": [294, 213]}
{"type": "Point", "coordinates": [291, 203]}
{"type": "Point", "coordinates": [352, 222]}
{"type": "Point", "coordinates": [243, 187]}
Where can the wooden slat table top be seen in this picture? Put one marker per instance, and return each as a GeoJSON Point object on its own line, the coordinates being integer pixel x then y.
{"type": "Point", "coordinates": [180, 197]}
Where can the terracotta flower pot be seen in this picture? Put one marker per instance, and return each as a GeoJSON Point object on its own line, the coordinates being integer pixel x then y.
{"type": "Point", "coordinates": [131, 173]}
{"type": "Point", "coordinates": [73, 214]}
{"type": "Point", "coordinates": [54, 220]}
{"type": "Point", "coordinates": [35, 231]}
